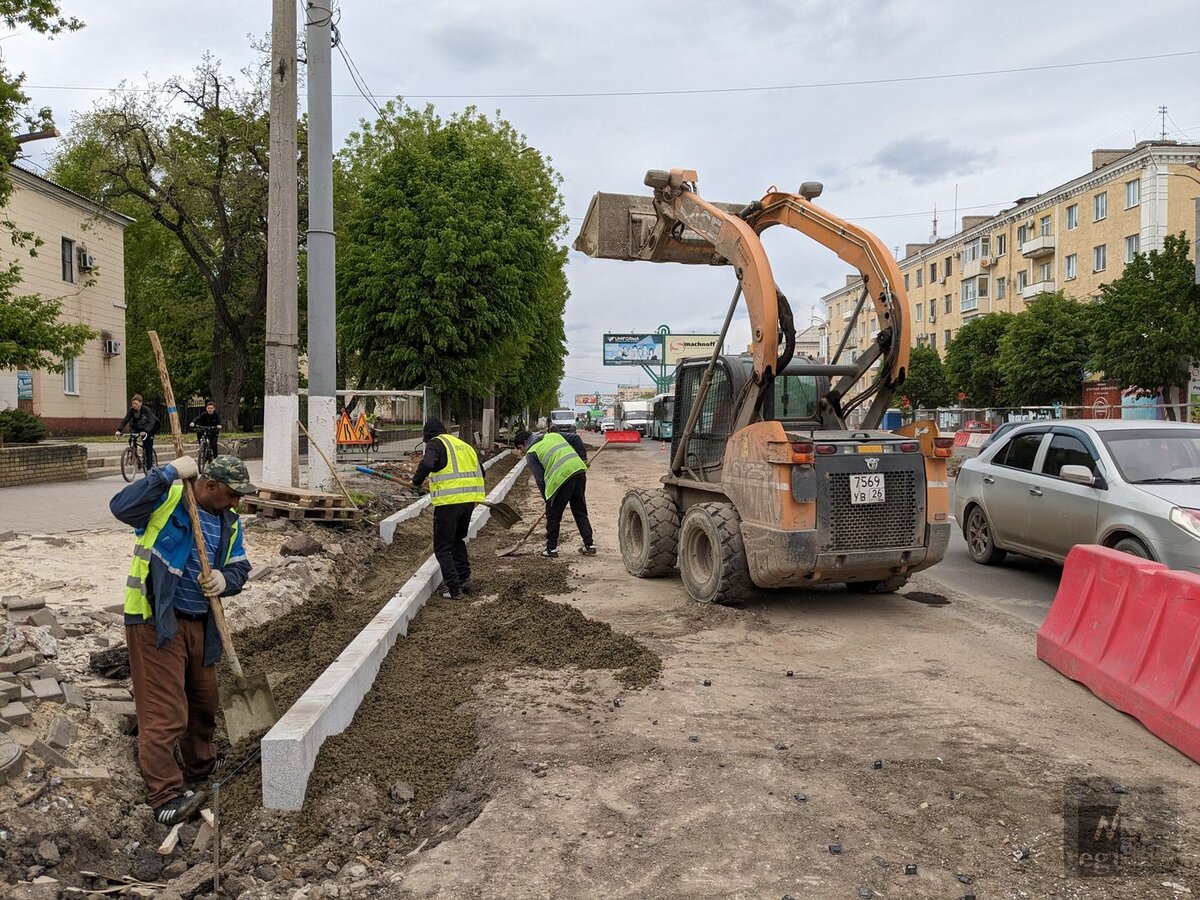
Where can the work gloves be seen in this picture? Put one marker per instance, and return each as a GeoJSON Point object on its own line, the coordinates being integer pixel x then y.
{"type": "Point", "coordinates": [185, 467]}
{"type": "Point", "coordinates": [213, 584]}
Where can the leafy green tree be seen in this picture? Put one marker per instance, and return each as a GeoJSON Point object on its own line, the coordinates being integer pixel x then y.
{"type": "Point", "coordinates": [450, 266]}
{"type": "Point", "coordinates": [31, 337]}
{"type": "Point", "coordinates": [1147, 322]}
{"type": "Point", "coordinates": [190, 163]}
{"type": "Point", "coordinates": [973, 360]}
{"type": "Point", "coordinates": [925, 387]}
{"type": "Point", "coordinates": [1045, 350]}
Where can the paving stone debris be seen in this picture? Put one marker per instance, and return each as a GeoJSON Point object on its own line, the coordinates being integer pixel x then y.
{"type": "Point", "coordinates": [48, 754]}
{"type": "Point", "coordinates": [19, 662]}
{"type": "Point", "coordinates": [302, 544]}
{"type": "Point", "coordinates": [62, 733]}
{"type": "Point", "coordinates": [25, 604]}
{"type": "Point", "coordinates": [16, 713]}
{"type": "Point", "coordinates": [47, 689]}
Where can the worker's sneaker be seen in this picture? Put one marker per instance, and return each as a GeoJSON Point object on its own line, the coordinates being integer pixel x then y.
{"type": "Point", "coordinates": [449, 595]}
{"type": "Point", "coordinates": [180, 809]}
{"type": "Point", "coordinates": [550, 554]}
{"type": "Point", "coordinates": [219, 763]}
{"type": "Point", "coordinates": [468, 588]}
{"type": "Point", "coordinates": [588, 549]}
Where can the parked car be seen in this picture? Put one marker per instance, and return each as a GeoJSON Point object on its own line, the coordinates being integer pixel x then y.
{"type": "Point", "coordinates": [607, 424]}
{"type": "Point", "coordinates": [998, 434]}
{"type": "Point", "coordinates": [1041, 488]}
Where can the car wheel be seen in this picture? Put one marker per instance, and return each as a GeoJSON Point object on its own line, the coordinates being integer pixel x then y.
{"type": "Point", "coordinates": [1133, 547]}
{"type": "Point", "coordinates": [980, 543]}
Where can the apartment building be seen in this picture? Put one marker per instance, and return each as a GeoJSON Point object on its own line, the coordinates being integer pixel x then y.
{"type": "Point", "coordinates": [1073, 238]}
{"type": "Point", "coordinates": [81, 263]}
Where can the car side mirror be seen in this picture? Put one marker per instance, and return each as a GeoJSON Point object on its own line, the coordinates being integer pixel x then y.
{"type": "Point", "coordinates": [1077, 475]}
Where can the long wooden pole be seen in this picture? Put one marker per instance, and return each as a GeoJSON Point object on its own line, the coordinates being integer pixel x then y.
{"type": "Point", "coordinates": [314, 445]}
{"type": "Point", "coordinates": [189, 502]}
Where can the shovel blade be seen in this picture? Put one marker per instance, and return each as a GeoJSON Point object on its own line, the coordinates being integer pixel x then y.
{"type": "Point", "coordinates": [504, 513]}
{"type": "Point", "coordinates": [249, 706]}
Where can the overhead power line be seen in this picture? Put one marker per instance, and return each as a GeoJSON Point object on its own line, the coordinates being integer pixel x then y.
{"type": "Point", "coordinates": [767, 88]}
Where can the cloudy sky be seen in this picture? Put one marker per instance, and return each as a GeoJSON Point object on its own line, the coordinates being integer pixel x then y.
{"type": "Point", "coordinates": [877, 99]}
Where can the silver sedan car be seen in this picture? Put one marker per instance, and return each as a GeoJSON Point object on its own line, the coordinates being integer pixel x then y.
{"type": "Point", "coordinates": [1133, 485]}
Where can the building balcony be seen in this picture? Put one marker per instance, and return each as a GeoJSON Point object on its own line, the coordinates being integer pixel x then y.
{"type": "Point", "coordinates": [978, 266]}
{"type": "Point", "coordinates": [1042, 245]}
{"type": "Point", "coordinates": [1038, 287]}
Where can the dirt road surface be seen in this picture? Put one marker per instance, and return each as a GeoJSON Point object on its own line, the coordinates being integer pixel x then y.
{"type": "Point", "coordinates": [917, 729]}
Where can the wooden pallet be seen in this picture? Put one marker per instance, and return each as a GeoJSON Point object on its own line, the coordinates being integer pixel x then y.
{"type": "Point", "coordinates": [278, 501]}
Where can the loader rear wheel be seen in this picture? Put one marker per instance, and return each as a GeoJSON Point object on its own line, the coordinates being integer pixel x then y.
{"type": "Point", "coordinates": [712, 557]}
{"type": "Point", "coordinates": [648, 528]}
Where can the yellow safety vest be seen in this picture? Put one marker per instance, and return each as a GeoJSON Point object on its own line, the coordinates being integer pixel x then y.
{"type": "Point", "coordinates": [461, 479]}
{"type": "Point", "coordinates": [559, 461]}
{"type": "Point", "coordinates": [137, 601]}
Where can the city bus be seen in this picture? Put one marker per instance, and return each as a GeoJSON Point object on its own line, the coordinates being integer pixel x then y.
{"type": "Point", "coordinates": [662, 421]}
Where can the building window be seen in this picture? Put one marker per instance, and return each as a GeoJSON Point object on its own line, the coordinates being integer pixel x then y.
{"type": "Point", "coordinates": [932, 272]}
{"type": "Point", "coordinates": [1000, 288]}
{"type": "Point", "coordinates": [1133, 193]}
{"type": "Point", "coordinates": [1132, 244]}
{"type": "Point", "coordinates": [946, 336]}
{"type": "Point", "coordinates": [1100, 258]}
{"type": "Point", "coordinates": [933, 340]}
{"type": "Point", "coordinates": [1072, 217]}
{"type": "Point", "coordinates": [1045, 271]}
{"type": "Point", "coordinates": [947, 268]}
{"type": "Point", "coordinates": [1001, 244]}
{"type": "Point", "coordinates": [1021, 235]}
{"type": "Point", "coordinates": [1072, 264]}
{"type": "Point", "coordinates": [1022, 280]}
{"type": "Point", "coordinates": [1100, 206]}
{"type": "Point", "coordinates": [920, 272]}
{"type": "Point", "coordinates": [906, 281]}
{"type": "Point", "coordinates": [1044, 226]}
{"type": "Point", "coordinates": [920, 317]}
{"type": "Point", "coordinates": [949, 304]}
{"type": "Point", "coordinates": [970, 296]}
{"type": "Point", "coordinates": [68, 260]}
{"type": "Point", "coordinates": [71, 376]}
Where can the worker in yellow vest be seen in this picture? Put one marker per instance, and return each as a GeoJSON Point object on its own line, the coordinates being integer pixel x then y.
{"type": "Point", "coordinates": [558, 463]}
{"type": "Point", "coordinates": [173, 642]}
{"type": "Point", "coordinates": [455, 486]}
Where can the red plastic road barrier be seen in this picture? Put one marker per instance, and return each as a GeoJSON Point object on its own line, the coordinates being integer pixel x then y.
{"type": "Point", "coordinates": [961, 438]}
{"type": "Point", "coordinates": [1129, 630]}
{"type": "Point", "coordinates": [623, 437]}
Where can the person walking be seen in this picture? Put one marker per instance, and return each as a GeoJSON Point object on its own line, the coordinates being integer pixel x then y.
{"type": "Point", "coordinates": [173, 642]}
{"type": "Point", "coordinates": [455, 486]}
{"type": "Point", "coordinates": [558, 463]}
{"type": "Point", "coordinates": [140, 419]}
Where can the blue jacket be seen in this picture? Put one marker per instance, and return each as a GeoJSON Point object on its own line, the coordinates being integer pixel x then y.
{"type": "Point", "coordinates": [134, 505]}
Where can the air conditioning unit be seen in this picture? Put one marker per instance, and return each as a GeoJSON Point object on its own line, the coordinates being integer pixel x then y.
{"type": "Point", "coordinates": [985, 262]}
{"type": "Point", "coordinates": [945, 278]}
{"type": "Point", "coordinates": [87, 262]}
{"type": "Point", "coordinates": [932, 314]}
{"type": "Point", "coordinates": [112, 348]}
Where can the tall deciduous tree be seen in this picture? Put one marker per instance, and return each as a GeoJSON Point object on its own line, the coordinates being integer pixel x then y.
{"type": "Point", "coordinates": [31, 337]}
{"type": "Point", "coordinates": [1045, 350]}
{"type": "Point", "coordinates": [191, 158]}
{"type": "Point", "coordinates": [972, 360]}
{"type": "Point", "coordinates": [925, 387]}
{"type": "Point", "coordinates": [450, 268]}
{"type": "Point", "coordinates": [1147, 322]}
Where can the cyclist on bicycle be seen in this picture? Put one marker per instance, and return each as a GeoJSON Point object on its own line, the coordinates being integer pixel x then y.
{"type": "Point", "coordinates": [207, 425]}
{"type": "Point", "coordinates": [139, 419]}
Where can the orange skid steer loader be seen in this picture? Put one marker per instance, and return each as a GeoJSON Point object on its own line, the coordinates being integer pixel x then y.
{"type": "Point", "coordinates": [767, 485]}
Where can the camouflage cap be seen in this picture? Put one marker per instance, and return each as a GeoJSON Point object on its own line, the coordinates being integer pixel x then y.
{"type": "Point", "coordinates": [231, 471]}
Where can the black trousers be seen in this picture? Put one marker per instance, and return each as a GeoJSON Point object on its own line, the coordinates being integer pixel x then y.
{"type": "Point", "coordinates": [570, 492]}
{"type": "Point", "coordinates": [450, 523]}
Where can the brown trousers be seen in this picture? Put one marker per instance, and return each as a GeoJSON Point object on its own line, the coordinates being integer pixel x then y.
{"type": "Point", "coordinates": [177, 701]}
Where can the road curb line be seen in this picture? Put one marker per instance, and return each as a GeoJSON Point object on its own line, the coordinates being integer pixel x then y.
{"type": "Point", "coordinates": [289, 749]}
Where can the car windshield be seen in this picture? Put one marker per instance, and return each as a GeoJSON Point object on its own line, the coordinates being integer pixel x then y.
{"type": "Point", "coordinates": [1156, 455]}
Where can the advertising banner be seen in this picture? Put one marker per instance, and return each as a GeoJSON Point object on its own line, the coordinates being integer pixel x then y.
{"type": "Point", "coordinates": [685, 346]}
{"type": "Point", "coordinates": [586, 400]}
{"type": "Point", "coordinates": [632, 349]}
{"type": "Point", "coordinates": [634, 392]}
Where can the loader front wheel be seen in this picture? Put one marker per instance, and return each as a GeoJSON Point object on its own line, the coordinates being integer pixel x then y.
{"type": "Point", "coordinates": [712, 557]}
{"type": "Point", "coordinates": [649, 533]}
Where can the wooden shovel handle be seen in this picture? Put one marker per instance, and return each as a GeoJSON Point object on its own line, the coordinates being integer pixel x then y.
{"type": "Point", "coordinates": [189, 502]}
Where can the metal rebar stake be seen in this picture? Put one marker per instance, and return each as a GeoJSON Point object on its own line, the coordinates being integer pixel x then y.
{"type": "Point", "coordinates": [216, 837]}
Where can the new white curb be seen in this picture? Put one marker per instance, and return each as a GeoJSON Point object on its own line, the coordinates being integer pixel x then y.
{"type": "Point", "coordinates": [289, 750]}
{"type": "Point", "coordinates": [387, 527]}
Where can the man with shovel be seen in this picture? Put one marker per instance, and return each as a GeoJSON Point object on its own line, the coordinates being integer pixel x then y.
{"type": "Point", "coordinates": [558, 463]}
{"type": "Point", "coordinates": [173, 641]}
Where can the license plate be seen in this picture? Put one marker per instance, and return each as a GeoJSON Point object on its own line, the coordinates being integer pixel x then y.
{"type": "Point", "coordinates": [866, 489]}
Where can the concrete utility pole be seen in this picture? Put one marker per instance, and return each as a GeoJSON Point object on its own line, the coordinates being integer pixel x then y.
{"type": "Point", "coordinates": [281, 464]}
{"type": "Point", "coordinates": [322, 316]}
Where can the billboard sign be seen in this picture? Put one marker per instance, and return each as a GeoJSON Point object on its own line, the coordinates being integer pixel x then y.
{"type": "Point", "coordinates": [632, 349]}
{"type": "Point", "coordinates": [24, 386]}
{"type": "Point", "coordinates": [684, 346]}
{"type": "Point", "coordinates": [585, 400]}
{"type": "Point", "coordinates": [633, 392]}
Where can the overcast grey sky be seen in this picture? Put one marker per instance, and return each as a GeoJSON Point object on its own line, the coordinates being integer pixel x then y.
{"type": "Point", "coordinates": [886, 152]}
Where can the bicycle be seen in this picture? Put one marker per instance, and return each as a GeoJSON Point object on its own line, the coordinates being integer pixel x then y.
{"type": "Point", "coordinates": [206, 438]}
{"type": "Point", "coordinates": [133, 460]}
